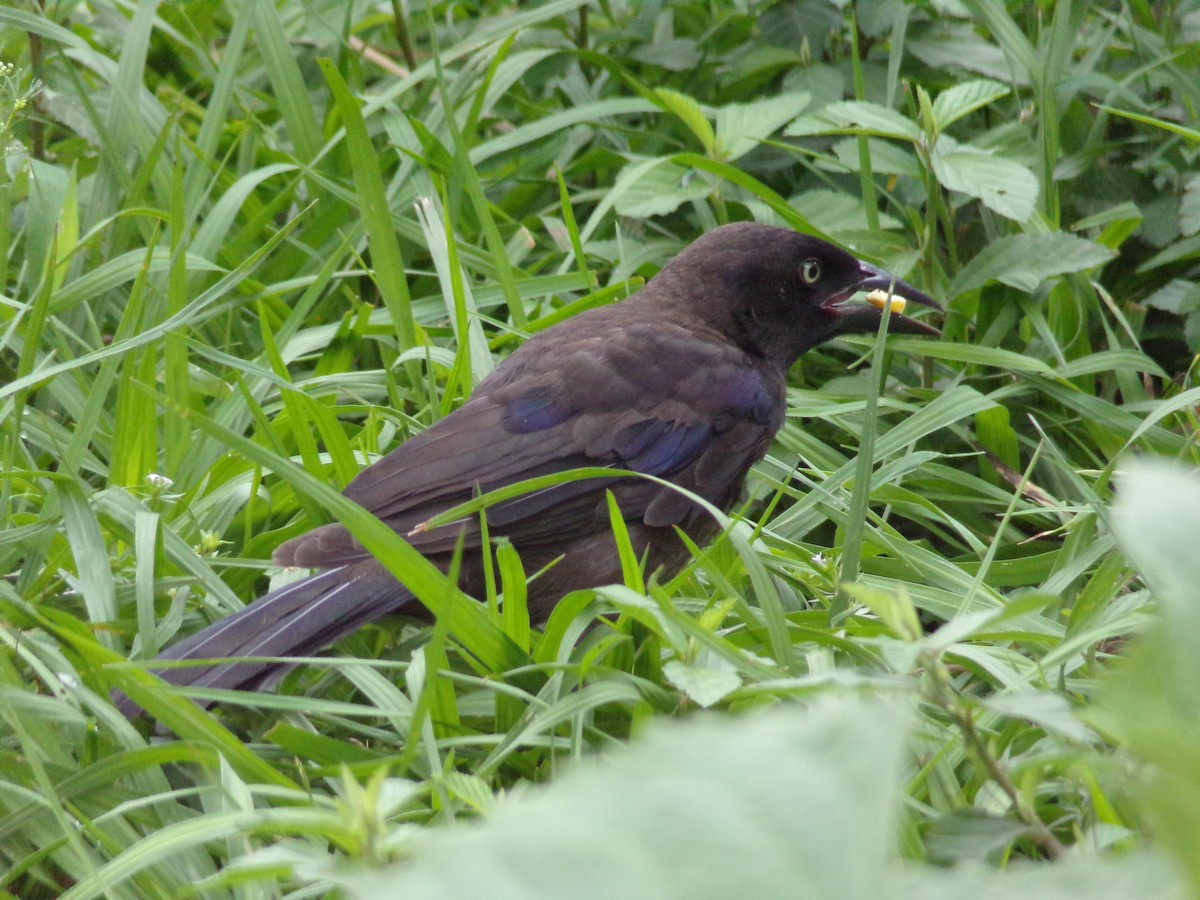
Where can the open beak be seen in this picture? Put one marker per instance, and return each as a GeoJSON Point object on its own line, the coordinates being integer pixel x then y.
{"type": "Point", "coordinates": [883, 291]}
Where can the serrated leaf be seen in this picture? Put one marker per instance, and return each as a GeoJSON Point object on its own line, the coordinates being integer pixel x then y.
{"type": "Point", "coordinates": [740, 126]}
{"type": "Point", "coordinates": [703, 686]}
{"type": "Point", "coordinates": [1004, 186]}
{"type": "Point", "coordinates": [893, 607]}
{"type": "Point", "coordinates": [688, 111]}
{"type": "Point", "coordinates": [963, 99]}
{"type": "Point", "coordinates": [471, 789]}
{"type": "Point", "coordinates": [857, 116]}
{"type": "Point", "coordinates": [1176, 296]}
{"type": "Point", "coordinates": [657, 190]}
{"type": "Point", "coordinates": [951, 45]}
{"type": "Point", "coordinates": [886, 158]}
{"type": "Point", "coordinates": [835, 211]}
{"type": "Point", "coordinates": [1023, 261]}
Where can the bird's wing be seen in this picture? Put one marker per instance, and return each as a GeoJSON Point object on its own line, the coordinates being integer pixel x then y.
{"type": "Point", "coordinates": [658, 401]}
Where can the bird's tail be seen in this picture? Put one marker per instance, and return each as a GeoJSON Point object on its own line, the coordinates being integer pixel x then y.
{"type": "Point", "coordinates": [297, 620]}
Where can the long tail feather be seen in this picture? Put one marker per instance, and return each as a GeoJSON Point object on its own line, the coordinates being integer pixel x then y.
{"type": "Point", "coordinates": [297, 620]}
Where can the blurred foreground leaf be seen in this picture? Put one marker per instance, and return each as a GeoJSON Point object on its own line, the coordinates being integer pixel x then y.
{"type": "Point", "coordinates": [1152, 701]}
{"type": "Point", "coordinates": [760, 806]}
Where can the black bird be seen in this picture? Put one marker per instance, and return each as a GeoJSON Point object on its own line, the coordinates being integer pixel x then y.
{"type": "Point", "coordinates": [685, 381]}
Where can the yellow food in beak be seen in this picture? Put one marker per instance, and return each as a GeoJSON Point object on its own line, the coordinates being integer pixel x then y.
{"type": "Point", "coordinates": [878, 298]}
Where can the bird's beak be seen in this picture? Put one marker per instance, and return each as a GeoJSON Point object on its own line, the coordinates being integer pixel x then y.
{"type": "Point", "coordinates": [883, 290]}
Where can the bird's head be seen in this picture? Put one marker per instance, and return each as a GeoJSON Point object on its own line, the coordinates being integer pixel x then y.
{"type": "Point", "coordinates": [778, 293]}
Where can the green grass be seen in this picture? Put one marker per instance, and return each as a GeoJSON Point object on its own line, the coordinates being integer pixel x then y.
{"type": "Point", "coordinates": [246, 247]}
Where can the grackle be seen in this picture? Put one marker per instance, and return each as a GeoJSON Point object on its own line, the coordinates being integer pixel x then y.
{"type": "Point", "coordinates": [685, 381]}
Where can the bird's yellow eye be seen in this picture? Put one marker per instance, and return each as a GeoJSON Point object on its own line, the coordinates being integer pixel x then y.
{"type": "Point", "coordinates": [810, 271]}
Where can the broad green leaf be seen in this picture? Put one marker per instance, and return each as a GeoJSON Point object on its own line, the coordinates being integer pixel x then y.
{"type": "Point", "coordinates": [40, 25]}
{"type": "Point", "coordinates": [887, 158]}
{"type": "Point", "coordinates": [1004, 30]}
{"type": "Point", "coordinates": [857, 116]}
{"type": "Point", "coordinates": [1176, 296]}
{"type": "Point", "coordinates": [1024, 261]}
{"type": "Point", "coordinates": [963, 99]}
{"type": "Point", "coordinates": [836, 211]}
{"type": "Point", "coordinates": [657, 187]}
{"type": "Point", "coordinates": [741, 126]}
{"type": "Point", "coordinates": [949, 44]}
{"type": "Point", "coordinates": [559, 122]}
{"type": "Point", "coordinates": [752, 186]}
{"type": "Point", "coordinates": [1004, 186]}
{"type": "Point", "coordinates": [702, 685]}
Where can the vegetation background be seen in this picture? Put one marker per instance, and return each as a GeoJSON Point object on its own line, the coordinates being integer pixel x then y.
{"type": "Point", "coordinates": [247, 246]}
